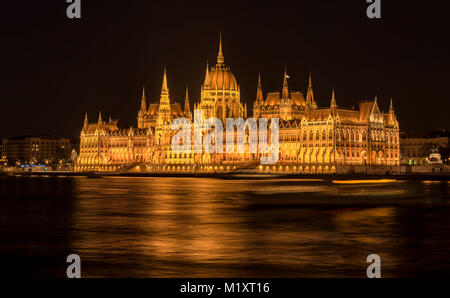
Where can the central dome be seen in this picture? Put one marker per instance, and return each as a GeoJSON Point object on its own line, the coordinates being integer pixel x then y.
{"type": "Point", "coordinates": [221, 78]}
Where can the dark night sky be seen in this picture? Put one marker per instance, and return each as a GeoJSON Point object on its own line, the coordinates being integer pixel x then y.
{"type": "Point", "coordinates": [54, 69]}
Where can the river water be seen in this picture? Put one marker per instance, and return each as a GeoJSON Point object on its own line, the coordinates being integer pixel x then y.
{"type": "Point", "coordinates": [203, 227]}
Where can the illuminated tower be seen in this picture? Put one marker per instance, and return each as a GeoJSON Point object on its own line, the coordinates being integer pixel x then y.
{"type": "Point", "coordinates": [259, 102]}
{"type": "Point", "coordinates": [143, 111]}
{"type": "Point", "coordinates": [220, 93]}
{"type": "Point", "coordinates": [187, 108]}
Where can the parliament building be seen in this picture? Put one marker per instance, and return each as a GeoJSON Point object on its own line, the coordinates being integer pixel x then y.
{"type": "Point", "coordinates": [312, 139]}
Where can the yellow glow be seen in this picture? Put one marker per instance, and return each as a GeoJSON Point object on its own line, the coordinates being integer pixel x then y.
{"type": "Point", "coordinates": [364, 181]}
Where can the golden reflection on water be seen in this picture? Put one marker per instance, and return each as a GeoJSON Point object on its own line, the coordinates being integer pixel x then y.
{"type": "Point", "coordinates": [195, 227]}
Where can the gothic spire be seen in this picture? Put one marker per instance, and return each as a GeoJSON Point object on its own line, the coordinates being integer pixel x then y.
{"type": "Point", "coordinates": [164, 98]}
{"type": "Point", "coordinates": [100, 121]}
{"type": "Point", "coordinates": [206, 81]}
{"type": "Point", "coordinates": [391, 107]}
{"type": "Point", "coordinates": [86, 122]}
{"type": "Point", "coordinates": [333, 104]}
{"type": "Point", "coordinates": [259, 92]}
{"type": "Point", "coordinates": [187, 108]}
{"type": "Point", "coordinates": [164, 88]}
{"type": "Point", "coordinates": [310, 95]}
{"type": "Point", "coordinates": [143, 101]}
{"type": "Point", "coordinates": [220, 57]}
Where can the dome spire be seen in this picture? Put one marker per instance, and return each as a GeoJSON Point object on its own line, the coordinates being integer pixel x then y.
{"type": "Point", "coordinates": [220, 57]}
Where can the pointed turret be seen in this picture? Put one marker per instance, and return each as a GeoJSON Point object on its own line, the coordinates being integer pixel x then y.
{"type": "Point", "coordinates": [86, 122]}
{"type": "Point", "coordinates": [310, 95]}
{"type": "Point", "coordinates": [392, 112]}
{"type": "Point", "coordinates": [164, 103]}
{"type": "Point", "coordinates": [206, 82]}
{"type": "Point", "coordinates": [164, 88]}
{"type": "Point", "coordinates": [285, 93]}
{"type": "Point", "coordinates": [220, 57]}
{"type": "Point", "coordinates": [143, 101]}
{"type": "Point", "coordinates": [100, 121]}
{"type": "Point", "coordinates": [333, 104]}
{"type": "Point", "coordinates": [187, 109]}
{"type": "Point", "coordinates": [259, 91]}
{"type": "Point", "coordinates": [164, 99]}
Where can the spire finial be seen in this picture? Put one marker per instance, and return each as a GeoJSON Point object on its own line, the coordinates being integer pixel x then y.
{"type": "Point", "coordinates": [259, 92]}
{"type": "Point", "coordinates": [143, 100]}
{"type": "Point", "coordinates": [333, 100]}
{"type": "Point", "coordinates": [86, 121]}
{"type": "Point", "coordinates": [310, 95]}
{"type": "Point", "coordinates": [220, 57]}
{"type": "Point", "coordinates": [100, 121]}
{"type": "Point", "coordinates": [187, 109]}
{"type": "Point", "coordinates": [391, 107]}
{"type": "Point", "coordinates": [164, 88]}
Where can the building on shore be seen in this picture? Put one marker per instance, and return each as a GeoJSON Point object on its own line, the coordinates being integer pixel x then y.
{"type": "Point", "coordinates": [312, 139]}
{"type": "Point", "coordinates": [35, 150]}
{"type": "Point", "coordinates": [416, 146]}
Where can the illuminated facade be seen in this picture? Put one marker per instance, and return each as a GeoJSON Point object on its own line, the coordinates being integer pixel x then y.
{"type": "Point", "coordinates": [312, 139]}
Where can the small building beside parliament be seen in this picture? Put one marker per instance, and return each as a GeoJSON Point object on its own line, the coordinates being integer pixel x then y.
{"type": "Point", "coordinates": [312, 139]}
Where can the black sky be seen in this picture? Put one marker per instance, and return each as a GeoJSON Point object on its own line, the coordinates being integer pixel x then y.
{"type": "Point", "coordinates": [54, 69]}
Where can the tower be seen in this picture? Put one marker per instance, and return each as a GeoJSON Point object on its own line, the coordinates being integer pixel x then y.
{"type": "Point", "coordinates": [187, 108]}
{"type": "Point", "coordinates": [86, 123]}
{"type": "Point", "coordinates": [285, 102]}
{"type": "Point", "coordinates": [310, 95]}
{"type": "Point", "coordinates": [164, 103]}
{"type": "Point", "coordinates": [143, 111]}
{"type": "Point", "coordinates": [333, 104]}
{"type": "Point", "coordinates": [259, 101]}
{"type": "Point", "coordinates": [220, 93]}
